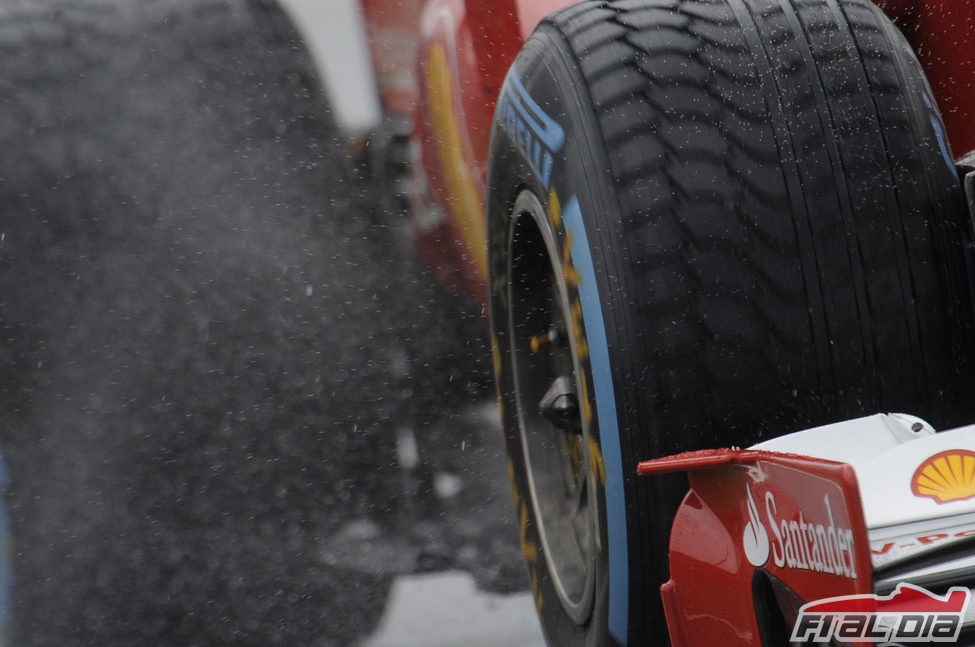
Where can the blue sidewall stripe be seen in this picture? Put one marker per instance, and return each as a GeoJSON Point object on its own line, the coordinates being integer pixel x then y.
{"type": "Point", "coordinates": [939, 133]}
{"type": "Point", "coordinates": [609, 435]}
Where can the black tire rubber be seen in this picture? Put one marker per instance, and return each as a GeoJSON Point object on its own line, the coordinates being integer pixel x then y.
{"type": "Point", "coordinates": [774, 227]}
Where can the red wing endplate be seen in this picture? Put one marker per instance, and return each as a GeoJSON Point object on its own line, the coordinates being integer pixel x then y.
{"type": "Point", "coordinates": [759, 535]}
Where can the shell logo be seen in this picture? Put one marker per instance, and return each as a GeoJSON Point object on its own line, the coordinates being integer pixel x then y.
{"type": "Point", "coordinates": [946, 477]}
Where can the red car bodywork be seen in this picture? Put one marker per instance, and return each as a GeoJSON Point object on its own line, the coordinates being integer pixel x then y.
{"type": "Point", "coordinates": [801, 516]}
{"type": "Point", "coordinates": [441, 63]}
{"type": "Point", "coordinates": [942, 33]}
{"type": "Point", "coordinates": [444, 75]}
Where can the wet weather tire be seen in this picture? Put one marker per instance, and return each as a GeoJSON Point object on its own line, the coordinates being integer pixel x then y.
{"type": "Point", "coordinates": [710, 222]}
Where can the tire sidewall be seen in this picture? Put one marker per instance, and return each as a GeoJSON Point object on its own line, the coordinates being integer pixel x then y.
{"type": "Point", "coordinates": [816, 348]}
{"type": "Point", "coordinates": [568, 188]}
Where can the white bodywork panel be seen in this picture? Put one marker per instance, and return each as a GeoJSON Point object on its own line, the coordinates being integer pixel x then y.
{"type": "Point", "coordinates": [887, 451]}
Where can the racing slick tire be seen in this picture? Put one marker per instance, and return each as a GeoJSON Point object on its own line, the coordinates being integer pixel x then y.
{"type": "Point", "coordinates": [710, 222]}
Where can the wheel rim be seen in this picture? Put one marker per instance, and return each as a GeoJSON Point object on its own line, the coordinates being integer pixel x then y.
{"type": "Point", "coordinates": [554, 436]}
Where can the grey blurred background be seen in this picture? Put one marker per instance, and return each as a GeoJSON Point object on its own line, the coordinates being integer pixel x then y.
{"type": "Point", "coordinates": [235, 408]}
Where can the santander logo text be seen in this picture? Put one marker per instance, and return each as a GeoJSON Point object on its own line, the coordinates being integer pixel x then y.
{"type": "Point", "coordinates": [798, 542]}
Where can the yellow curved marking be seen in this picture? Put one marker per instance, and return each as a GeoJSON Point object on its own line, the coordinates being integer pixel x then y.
{"type": "Point", "coordinates": [596, 463]}
{"type": "Point", "coordinates": [538, 342]}
{"type": "Point", "coordinates": [515, 497]}
{"type": "Point", "coordinates": [530, 550]}
{"type": "Point", "coordinates": [528, 547]}
{"type": "Point", "coordinates": [586, 402]}
{"type": "Point", "coordinates": [573, 447]}
{"type": "Point", "coordinates": [573, 279]}
{"type": "Point", "coordinates": [537, 592]}
{"type": "Point", "coordinates": [572, 276]}
{"type": "Point", "coordinates": [496, 356]}
{"type": "Point", "coordinates": [554, 210]}
{"type": "Point", "coordinates": [465, 203]}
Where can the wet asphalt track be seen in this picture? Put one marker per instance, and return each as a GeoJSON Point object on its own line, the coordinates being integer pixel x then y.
{"type": "Point", "coordinates": [213, 343]}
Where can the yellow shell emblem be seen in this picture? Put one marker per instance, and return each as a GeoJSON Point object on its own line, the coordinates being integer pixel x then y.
{"type": "Point", "coordinates": [946, 477]}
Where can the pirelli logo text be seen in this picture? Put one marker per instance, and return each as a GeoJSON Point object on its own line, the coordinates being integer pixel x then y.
{"type": "Point", "coordinates": [910, 614]}
{"type": "Point", "coordinates": [534, 132]}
